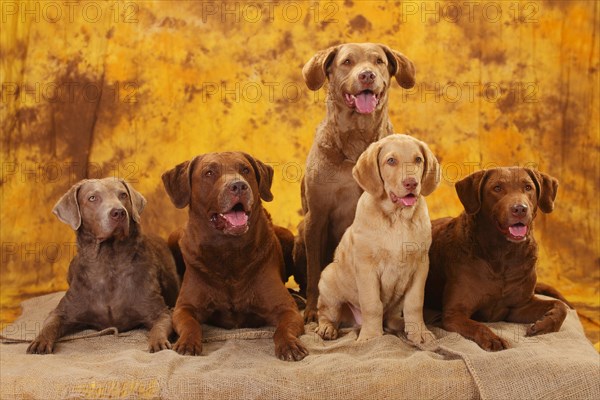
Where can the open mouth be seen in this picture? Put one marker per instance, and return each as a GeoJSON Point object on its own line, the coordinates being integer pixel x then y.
{"type": "Point", "coordinates": [232, 222]}
{"type": "Point", "coordinates": [365, 102]}
{"type": "Point", "coordinates": [515, 232]}
{"type": "Point", "coordinates": [407, 201]}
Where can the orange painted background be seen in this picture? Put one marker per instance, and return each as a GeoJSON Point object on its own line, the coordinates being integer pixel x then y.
{"type": "Point", "coordinates": [131, 88]}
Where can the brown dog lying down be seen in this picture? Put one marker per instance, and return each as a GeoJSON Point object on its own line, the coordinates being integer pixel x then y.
{"type": "Point", "coordinates": [483, 261]}
{"type": "Point", "coordinates": [233, 260]}
{"type": "Point", "coordinates": [360, 76]}
{"type": "Point", "coordinates": [119, 277]}
{"type": "Point", "coordinates": [380, 267]}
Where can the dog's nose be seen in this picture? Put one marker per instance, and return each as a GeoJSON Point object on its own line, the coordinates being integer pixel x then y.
{"type": "Point", "coordinates": [366, 77]}
{"type": "Point", "coordinates": [238, 187]}
{"type": "Point", "coordinates": [118, 214]}
{"type": "Point", "coordinates": [519, 210]}
{"type": "Point", "coordinates": [410, 183]}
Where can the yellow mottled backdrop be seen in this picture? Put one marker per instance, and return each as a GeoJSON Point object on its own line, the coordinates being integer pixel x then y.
{"type": "Point", "coordinates": [131, 88]}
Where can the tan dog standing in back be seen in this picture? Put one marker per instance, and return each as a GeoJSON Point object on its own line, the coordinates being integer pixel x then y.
{"type": "Point", "coordinates": [380, 267]}
{"type": "Point", "coordinates": [359, 77]}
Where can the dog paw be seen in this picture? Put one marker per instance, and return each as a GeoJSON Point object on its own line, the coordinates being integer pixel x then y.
{"type": "Point", "coordinates": [327, 331]}
{"type": "Point", "coordinates": [291, 350]}
{"type": "Point", "coordinates": [310, 315]}
{"type": "Point", "coordinates": [41, 345]}
{"type": "Point", "coordinates": [158, 344]}
{"type": "Point", "coordinates": [421, 337]}
{"type": "Point", "coordinates": [491, 342]}
{"type": "Point", "coordinates": [550, 322]}
{"type": "Point", "coordinates": [188, 347]}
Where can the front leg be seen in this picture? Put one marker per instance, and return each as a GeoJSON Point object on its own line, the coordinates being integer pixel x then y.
{"type": "Point", "coordinates": [314, 239]}
{"type": "Point", "coordinates": [545, 315]}
{"type": "Point", "coordinates": [290, 326]}
{"type": "Point", "coordinates": [160, 329]}
{"type": "Point", "coordinates": [459, 322]}
{"type": "Point", "coordinates": [189, 330]}
{"type": "Point", "coordinates": [369, 298]}
{"type": "Point", "coordinates": [414, 326]}
{"type": "Point", "coordinates": [54, 328]}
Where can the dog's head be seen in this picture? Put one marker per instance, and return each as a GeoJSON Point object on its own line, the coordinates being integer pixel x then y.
{"type": "Point", "coordinates": [359, 74]}
{"type": "Point", "coordinates": [224, 189]}
{"type": "Point", "coordinates": [398, 168]}
{"type": "Point", "coordinates": [508, 198]}
{"type": "Point", "coordinates": [104, 208]}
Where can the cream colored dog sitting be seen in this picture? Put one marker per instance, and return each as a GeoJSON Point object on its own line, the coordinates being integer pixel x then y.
{"type": "Point", "coordinates": [378, 274]}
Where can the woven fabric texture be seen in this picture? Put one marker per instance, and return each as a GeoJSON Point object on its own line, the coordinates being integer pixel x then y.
{"type": "Point", "coordinates": [240, 364]}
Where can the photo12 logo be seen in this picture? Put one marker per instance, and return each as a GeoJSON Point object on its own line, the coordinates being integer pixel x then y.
{"type": "Point", "coordinates": [269, 11]}
{"type": "Point", "coordinates": [69, 11]}
{"type": "Point", "coordinates": [469, 11]}
{"type": "Point", "coordinates": [68, 92]}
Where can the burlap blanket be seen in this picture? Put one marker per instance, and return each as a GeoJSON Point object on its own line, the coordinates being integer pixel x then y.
{"type": "Point", "coordinates": [241, 364]}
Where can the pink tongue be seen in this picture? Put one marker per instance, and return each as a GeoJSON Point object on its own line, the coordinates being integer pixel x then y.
{"type": "Point", "coordinates": [518, 230]}
{"type": "Point", "coordinates": [365, 103]}
{"type": "Point", "coordinates": [236, 218]}
{"type": "Point", "coordinates": [408, 200]}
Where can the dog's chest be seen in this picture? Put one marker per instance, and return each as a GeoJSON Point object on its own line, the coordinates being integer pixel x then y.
{"type": "Point", "coordinates": [504, 291]}
{"type": "Point", "coordinates": [117, 299]}
{"type": "Point", "coordinates": [400, 252]}
{"type": "Point", "coordinates": [235, 309]}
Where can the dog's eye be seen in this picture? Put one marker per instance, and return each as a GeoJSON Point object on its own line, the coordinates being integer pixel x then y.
{"type": "Point", "coordinates": [347, 61]}
{"type": "Point", "coordinates": [92, 198]}
{"type": "Point", "coordinates": [123, 195]}
{"type": "Point", "coordinates": [245, 171]}
{"type": "Point", "coordinates": [391, 161]}
{"type": "Point", "coordinates": [380, 61]}
{"type": "Point", "coordinates": [497, 188]}
{"type": "Point", "coordinates": [418, 160]}
{"type": "Point", "coordinates": [209, 173]}
{"type": "Point", "coordinates": [528, 188]}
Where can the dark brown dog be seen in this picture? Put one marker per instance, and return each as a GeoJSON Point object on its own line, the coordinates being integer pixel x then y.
{"type": "Point", "coordinates": [482, 263]}
{"type": "Point", "coordinates": [233, 259]}
{"type": "Point", "coordinates": [119, 277]}
{"type": "Point", "coordinates": [360, 76]}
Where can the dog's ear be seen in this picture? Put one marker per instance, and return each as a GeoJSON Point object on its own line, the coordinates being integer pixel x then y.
{"type": "Point", "coordinates": [67, 208]}
{"type": "Point", "coordinates": [431, 170]}
{"type": "Point", "coordinates": [138, 202]}
{"type": "Point", "coordinates": [400, 67]}
{"type": "Point", "coordinates": [367, 173]}
{"type": "Point", "coordinates": [469, 191]}
{"type": "Point", "coordinates": [178, 182]}
{"type": "Point", "coordinates": [315, 70]}
{"type": "Point", "coordinates": [264, 177]}
{"type": "Point", "coordinates": [547, 187]}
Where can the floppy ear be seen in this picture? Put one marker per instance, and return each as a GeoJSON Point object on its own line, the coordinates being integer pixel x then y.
{"type": "Point", "coordinates": [400, 67]}
{"type": "Point", "coordinates": [315, 70]}
{"type": "Point", "coordinates": [264, 177]}
{"type": "Point", "coordinates": [546, 187]}
{"type": "Point", "coordinates": [138, 202]}
{"type": "Point", "coordinates": [67, 208]}
{"type": "Point", "coordinates": [366, 171]}
{"type": "Point", "coordinates": [178, 182]}
{"type": "Point", "coordinates": [431, 171]}
{"type": "Point", "coordinates": [469, 191]}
